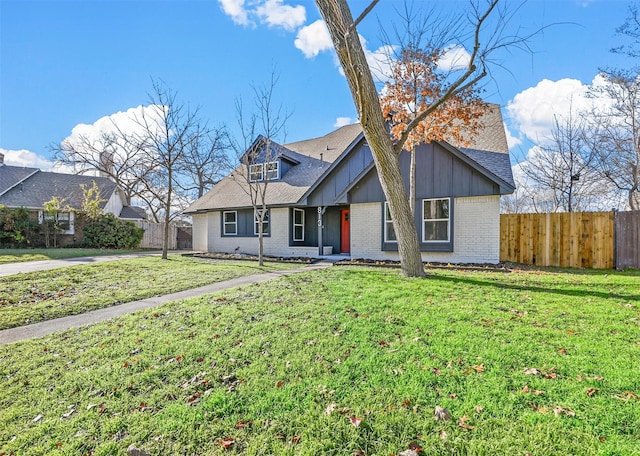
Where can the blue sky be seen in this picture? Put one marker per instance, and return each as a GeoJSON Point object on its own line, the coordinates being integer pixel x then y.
{"type": "Point", "coordinates": [65, 63]}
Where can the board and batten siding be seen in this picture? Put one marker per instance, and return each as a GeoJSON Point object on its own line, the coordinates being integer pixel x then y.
{"type": "Point", "coordinates": [476, 232]}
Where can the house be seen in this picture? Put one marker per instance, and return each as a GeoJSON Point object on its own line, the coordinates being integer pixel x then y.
{"type": "Point", "coordinates": [31, 188]}
{"type": "Point", "coordinates": [324, 196]}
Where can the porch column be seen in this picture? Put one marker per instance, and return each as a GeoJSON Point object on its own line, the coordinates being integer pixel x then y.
{"type": "Point", "coordinates": [321, 211]}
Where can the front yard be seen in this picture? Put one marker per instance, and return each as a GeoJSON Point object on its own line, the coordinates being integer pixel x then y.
{"type": "Point", "coordinates": [38, 296]}
{"type": "Point", "coordinates": [344, 361]}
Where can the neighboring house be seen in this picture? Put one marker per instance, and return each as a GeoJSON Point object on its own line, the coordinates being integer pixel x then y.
{"type": "Point", "coordinates": [30, 188]}
{"type": "Point", "coordinates": [324, 196]}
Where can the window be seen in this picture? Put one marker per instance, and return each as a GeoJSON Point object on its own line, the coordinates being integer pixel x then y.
{"type": "Point", "coordinates": [435, 220]}
{"type": "Point", "coordinates": [272, 170]}
{"type": "Point", "coordinates": [389, 232]}
{"type": "Point", "coordinates": [64, 221]}
{"type": "Point", "coordinates": [255, 172]}
{"type": "Point", "coordinates": [265, 222]}
{"type": "Point", "coordinates": [268, 171]}
{"type": "Point", "coordinates": [298, 224]}
{"type": "Point", "coordinates": [230, 223]}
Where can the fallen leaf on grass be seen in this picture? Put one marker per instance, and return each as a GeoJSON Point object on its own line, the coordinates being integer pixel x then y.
{"type": "Point", "coordinates": [442, 414]}
{"type": "Point", "coordinates": [625, 396]}
{"type": "Point", "coordinates": [243, 424]}
{"type": "Point", "coordinates": [531, 371]}
{"type": "Point", "coordinates": [591, 391]}
{"type": "Point", "coordinates": [557, 411]}
{"type": "Point", "coordinates": [330, 408]}
{"type": "Point", "coordinates": [462, 422]}
{"type": "Point", "coordinates": [226, 442]}
{"type": "Point", "coordinates": [355, 421]}
{"type": "Point", "coordinates": [295, 438]}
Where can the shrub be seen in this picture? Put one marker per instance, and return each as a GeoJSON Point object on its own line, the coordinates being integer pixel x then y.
{"type": "Point", "coordinates": [16, 227]}
{"type": "Point", "coordinates": [107, 231]}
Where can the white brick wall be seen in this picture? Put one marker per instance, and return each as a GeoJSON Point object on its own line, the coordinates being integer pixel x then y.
{"type": "Point", "coordinates": [476, 232]}
{"type": "Point", "coordinates": [200, 232]}
{"type": "Point", "coordinates": [275, 245]}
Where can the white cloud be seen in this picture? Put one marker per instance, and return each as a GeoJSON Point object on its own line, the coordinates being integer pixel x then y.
{"type": "Point", "coordinates": [533, 109]}
{"type": "Point", "coordinates": [313, 39]}
{"type": "Point", "coordinates": [512, 141]}
{"type": "Point", "coordinates": [342, 121]}
{"type": "Point", "coordinates": [236, 10]}
{"type": "Point", "coordinates": [26, 158]}
{"type": "Point", "coordinates": [380, 60]}
{"type": "Point", "coordinates": [276, 14]}
{"type": "Point", "coordinates": [455, 57]}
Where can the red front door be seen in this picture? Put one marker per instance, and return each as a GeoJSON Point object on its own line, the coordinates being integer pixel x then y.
{"type": "Point", "coordinates": [345, 232]}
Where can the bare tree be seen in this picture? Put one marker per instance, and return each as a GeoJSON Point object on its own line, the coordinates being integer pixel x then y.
{"type": "Point", "coordinates": [618, 132]}
{"type": "Point", "coordinates": [258, 152]}
{"type": "Point", "coordinates": [562, 176]}
{"type": "Point", "coordinates": [630, 29]}
{"type": "Point", "coordinates": [113, 154]}
{"type": "Point", "coordinates": [343, 30]}
{"type": "Point", "coordinates": [168, 130]}
{"type": "Point", "coordinates": [205, 161]}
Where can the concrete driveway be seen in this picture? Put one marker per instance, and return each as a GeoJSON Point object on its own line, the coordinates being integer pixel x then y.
{"type": "Point", "coordinates": [30, 266]}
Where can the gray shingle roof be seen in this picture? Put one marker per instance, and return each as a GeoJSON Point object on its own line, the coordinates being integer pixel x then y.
{"type": "Point", "coordinates": [314, 157]}
{"type": "Point", "coordinates": [42, 186]}
{"type": "Point", "coordinates": [12, 175]}
{"type": "Point", "coordinates": [488, 148]}
{"type": "Point", "coordinates": [133, 212]}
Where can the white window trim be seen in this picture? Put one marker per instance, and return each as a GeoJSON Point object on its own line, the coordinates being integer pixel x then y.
{"type": "Point", "coordinates": [266, 222]}
{"type": "Point", "coordinates": [448, 220]}
{"type": "Point", "coordinates": [387, 222]}
{"type": "Point", "coordinates": [301, 211]}
{"type": "Point", "coordinates": [267, 172]}
{"type": "Point", "coordinates": [262, 170]}
{"type": "Point", "coordinates": [42, 216]}
{"type": "Point", "coordinates": [256, 169]}
{"type": "Point", "coordinates": [234, 223]}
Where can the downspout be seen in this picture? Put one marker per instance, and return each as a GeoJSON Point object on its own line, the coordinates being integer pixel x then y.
{"type": "Point", "coordinates": [321, 211]}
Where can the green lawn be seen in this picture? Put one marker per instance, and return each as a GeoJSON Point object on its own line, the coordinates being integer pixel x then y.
{"type": "Point", "coordinates": [38, 296]}
{"type": "Point", "coordinates": [21, 255]}
{"type": "Point", "coordinates": [344, 361]}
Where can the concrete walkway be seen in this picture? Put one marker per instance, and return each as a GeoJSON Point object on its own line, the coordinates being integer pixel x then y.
{"type": "Point", "coordinates": [44, 328]}
{"type": "Point", "coordinates": [44, 265]}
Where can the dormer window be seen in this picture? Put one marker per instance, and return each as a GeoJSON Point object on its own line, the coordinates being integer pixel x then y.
{"type": "Point", "coordinates": [256, 172]}
{"type": "Point", "coordinates": [264, 171]}
{"type": "Point", "coordinates": [272, 170]}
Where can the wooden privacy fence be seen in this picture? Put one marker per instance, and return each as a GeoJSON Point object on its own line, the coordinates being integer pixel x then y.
{"type": "Point", "coordinates": [628, 239]}
{"type": "Point", "coordinates": [153, 235]}
{"type": "Point", "coordinates": [575, 239]}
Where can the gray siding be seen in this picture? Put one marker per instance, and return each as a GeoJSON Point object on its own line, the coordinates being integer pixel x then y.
{"type": "Point", "coordinates": [439, 174]}
{"type": "Point", "coordinates": [340, 177]}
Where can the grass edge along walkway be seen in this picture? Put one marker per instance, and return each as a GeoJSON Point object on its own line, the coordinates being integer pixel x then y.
{"type": "Point", "coordinates": [47, 327]}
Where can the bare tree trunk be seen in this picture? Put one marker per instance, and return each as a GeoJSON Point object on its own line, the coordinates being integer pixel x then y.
{"type": "Point", "coordinates": [167, 217]}
{"type": "Point", "coordinates": [412, 183]}
{"type": "Point", "coordinates": [345, 37]}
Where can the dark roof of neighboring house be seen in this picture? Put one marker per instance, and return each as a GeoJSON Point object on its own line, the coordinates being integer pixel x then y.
{"type": "Point", "coordinates": [488, 151]}
{"type": "Point", "coordinates": [13, 175]}
{"type": "Point", "coordinates": [42, 186]}
{"type": "Point", "coordinates": [133, 212]}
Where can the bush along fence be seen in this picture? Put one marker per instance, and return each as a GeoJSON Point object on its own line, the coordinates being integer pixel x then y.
{"type": "Point", "coordinates": [599, 240]}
